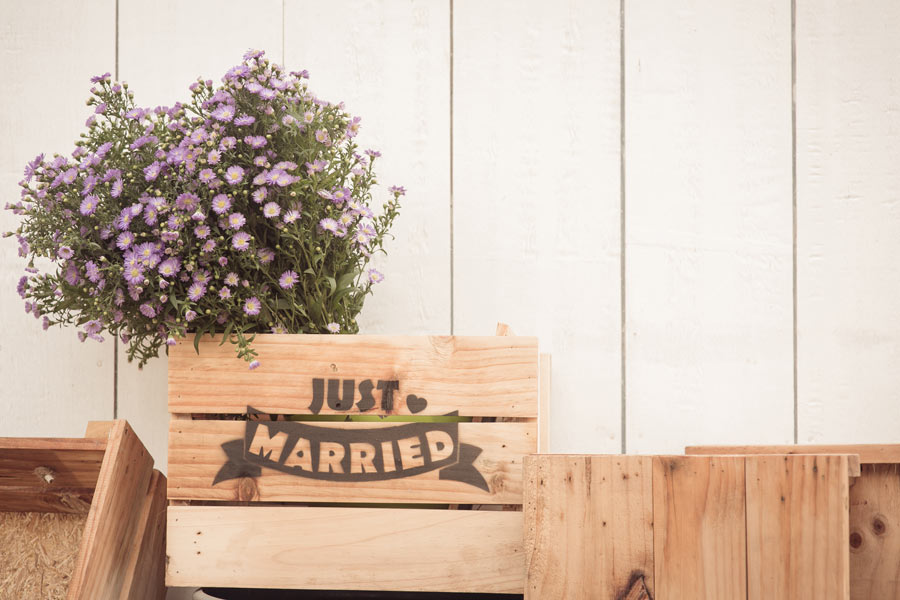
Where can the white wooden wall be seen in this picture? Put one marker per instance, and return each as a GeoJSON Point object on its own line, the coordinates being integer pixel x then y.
{"type": "Point", "coordinates": [634, 182]}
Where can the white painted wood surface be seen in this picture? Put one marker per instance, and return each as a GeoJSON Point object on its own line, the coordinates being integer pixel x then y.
{"type": "Point", "coordinates": [708, 223]}
{"type": "Point", "coordinates": [161, 52]}
{"type": "Point", "coordinates": [848, 239]}
{"type": "Point", "coordinates": [536, 196]}
{"type": "Point", "coordinates": [389, 61]}
{"type": "Point", "coordinates": [52, 384]}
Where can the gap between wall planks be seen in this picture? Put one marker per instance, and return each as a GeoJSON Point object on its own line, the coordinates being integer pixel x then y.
{"type": "Point", "coordinates": [687, 527]}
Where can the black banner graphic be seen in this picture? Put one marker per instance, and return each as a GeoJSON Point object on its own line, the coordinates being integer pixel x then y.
{"type": "Point", "coordinates": [352, 454]}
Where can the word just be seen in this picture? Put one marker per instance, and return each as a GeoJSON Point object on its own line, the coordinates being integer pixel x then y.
{"type": "Point", "coordinates": [341, 395]}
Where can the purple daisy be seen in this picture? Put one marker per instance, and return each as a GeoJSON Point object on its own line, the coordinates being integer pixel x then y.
{"type": "Point", "coordinates": [234, 175]}
{"type": "Point", "coordinates": [236, 220]}
{"type": "Point", "coordinates": [231, 279]}
{"type": "Point", "coordinates": [116, 189]}
{"type": "Point", "coordinates": [252, 306]}
{"type": "Point", "coordinates": [329, 224]}
{"type": "Point", "coordinates": [169, 267]}
{"type": "Point", "coordinates": [271, 210]}
{"type": "Point", "coordinates": [125, 239]}
{"type": "Point", "coordinates": [291, 216]}
{"type": "Point", "coordinates": [207, 175]}
{"type": "Point", "coordinates": [241, 241]}
{"type": "Point", "coordinates": [65, 252]}
{"type": "Point", "coordinates": [375, 276]}
{"type": "Point", "coordinates": [255, 141]}
{"type": "Point", "coordinates": [333, 328]}
{"type": "Point", "coordinates": [133, 274]}
{"type": "Point", "coordinates": [244, 120]}
{"type": "Point", "coordinates": [221, 203]}
{"type": "Point", "coordinates": [225, 293]}
{"type": "Point", "coordinates": [147, 310]}
{"type": "Point", "coordinates": [214, 157]}
{"type": "Point", "coordinates": [224, 112]}
{"type": "Point", "coordinates": [196, 291]}
{"type": "Point", "coordinates": [259, 194]}
{"type": "Point", "coordinates": [288, 279]}
{"type": "Point", "coordinates": [201, 231]}
{"type": "Point", "coordinates": [89, 205]}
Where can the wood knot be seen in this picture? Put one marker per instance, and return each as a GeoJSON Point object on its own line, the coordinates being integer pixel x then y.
{"type": "Point", "coordinates": [878, 526]}
{"type": "Point", "coordinates": [855, 540]}
{"type": "Point", "coordinates": [246, 490]}
{"type": "Point", "coordinates": [45, 474]}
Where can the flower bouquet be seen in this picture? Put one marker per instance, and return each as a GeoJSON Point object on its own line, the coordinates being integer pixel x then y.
{"type": "Point", "coordinates": [246, 209]}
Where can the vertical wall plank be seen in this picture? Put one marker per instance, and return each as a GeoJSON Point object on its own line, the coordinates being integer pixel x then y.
{"type": "Point", "coordinates": [52, 384]}
{"type": "Point", "coordinates": [709, 348]}
{"type": "Point", "coordinates": [536, 196]}
{"type": "Point", "coordinates": [699, 534]}
{"type": "Point", "coordinates": [389, 61]}
{"type": "Point", "coordinates": [798, 528]}
{"type": "Point", "coordinates": [848, 205]}
{"type": "Point", "coordinates": [588, 526]}
{"type": "Point", "coordinates": [163, 48]}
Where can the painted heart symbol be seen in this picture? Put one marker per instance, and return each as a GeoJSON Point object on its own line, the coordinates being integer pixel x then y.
{"type": "Point", "coordinates": [415, 404]}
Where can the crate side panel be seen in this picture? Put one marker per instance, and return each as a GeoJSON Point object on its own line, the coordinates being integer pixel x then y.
{"type": "Point", "coordinates": [588, 526]}
{"type": "Point", "coordinates": [797, 527]}
{"type": "Point", "coordinates": [875, 533]}
{"type": "Point", "coordinates": [203, 452]}
{"type": "Point", "coordinates": [699, 534]}
{"type": "Point", "coordinates": [477, 376]}
{"type": "Point", "coordinates": [346, 548]}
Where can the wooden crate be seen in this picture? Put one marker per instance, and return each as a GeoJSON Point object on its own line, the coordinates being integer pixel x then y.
{"type": "Point", "coordinates": [245, 484]}
{"type": "Point", "coordinates": [81, 518]}
{"type": "Point", "coordinates": [772, 527]}
{"type": "Point", "coordinates": [874, 513]}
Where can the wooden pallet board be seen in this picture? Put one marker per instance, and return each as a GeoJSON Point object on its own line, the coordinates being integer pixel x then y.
{"type": "Point", "coordinates": [719, 527]}
{"type": "Point", "coordinates": [589, 526]}
{"type": "Point", "coordinates": [797, 527]}
{"type": "Point", "coordinates": [699, 536]}
{"type": "Point", "coordinates": [871, 454]}
{"type": "Point", "coordinates": [197, 456]}
{"type": "Point", "coordinates": [476, 376]}
{"type": "Point", "coordinates": [359, 548]}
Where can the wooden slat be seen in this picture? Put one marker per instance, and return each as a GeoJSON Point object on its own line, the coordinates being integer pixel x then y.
{"type": "Point", "coordinates": [699, 531]}
{"type": "Point", "coordinates": [875, 534]}
{"type": "Point", "coordinates": [797, 528]}
{"type": "Point", "coordinates": [196, 456]}
{"type": "Point", "coordinates": [588, 526]}
{"type": "Point", "coordinates": [113, 519]}
{"type": "Point", "coordinates": [346, 548]}
{"type": "Point", "coordinates": [854, 465]}
{"type": "Point", "coordinates": [477, 376]}
{"type": "Point", "coordinates": [146, 569]}
{"type": "Point", "coordinates": [868, 453]}
{"type": "Point", "coordinates": [546, 365]}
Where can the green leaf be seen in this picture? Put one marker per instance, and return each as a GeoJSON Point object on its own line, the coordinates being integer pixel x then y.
{"type": "Point", "coordinates": [228, 329]}
{"type": "Point", "coordinates": [197, 337]}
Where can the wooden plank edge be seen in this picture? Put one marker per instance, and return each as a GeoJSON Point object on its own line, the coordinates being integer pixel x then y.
{"type": "Point", "coordinates": [869, 454]}
{"type": "Point", "coordinates": [146, 571]}
{"type": "Point", "coordinates": [854, 465]}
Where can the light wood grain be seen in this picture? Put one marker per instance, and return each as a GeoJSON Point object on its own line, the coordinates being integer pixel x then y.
{"type": "Point", "coordinates": [146, 568]}
{"type": "Point", "coordinates": [196, 456]}
{"type": "Point", "coordinates": [113, 520]}
{"type": "Point", "coordinates": [477, 376]}
{"type": "Point", "coordinates": [588, 527]}
{"type": "Point", "coordinates": [708, 238]}
{"type": "Point", "coordinates": [868, 454]}
{"type": "Point", "coordinates": [536, 138]}
{"type": "Point", "coordinates": [847, 210]}
{"type": "Point", "coordinates": [875, 534]}
{"type": "Point", "coordinates": [797, 528]}
{"type": "Point", "coordinates": [546, 367]}
{"type": "Point", "coordinates": [356, 548]}
{"type": "Point", "coordinates": [699, 534]}
{"type": "Point", "coordinates": [52, 382]}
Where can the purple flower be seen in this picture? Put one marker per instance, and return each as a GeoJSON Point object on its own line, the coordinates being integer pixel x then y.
{"type": "Point", "coordinates": [92, 271]}
{"type": "Point", "coordinates": [291, 216]}
{"type": "Point", "coordinates": [224, 112]}
{"type": "Point", "coordinates": [101, 108]}
{"type": "Point", "coordinates": [236, 220]}
{"type": "Point", "coordinates": [328, 224]}
{"type": "Point", "coordinates": [288, 279]}
{"type": "Point", "coordinates": [244, 120]}
{"type": "Point", "coordinates": [65, 252]}
{"type": "Point", "coordinates": [225, 293]}
{"type": "Point", "coordinates": [133, 274]}
{"type": "Point", "coordinates": [321, 136]}
{"type": "Point", "coordinates": [207, 175]}
{"type": "Point", "coordinates": [241, 241]}
{"type": "Point", "coordinates": [221, 203]}
{"type": "Point", "coordinates": [214, 157]}
{"type": "Point", "coordinates": [201, 231]}
{"type": "Point", "coordinates": [266, 255]}
{"type": "Point", "coordinates": [252, 306]}
{"type": "Point", "coordinates": [23, 285]}
{"type": "Point", "coordinates": [190, 315]}
{"type": "Point", "coordinates": [99, 78]}
{"type": "Point", "coordinates": [333, 327]}
{"type": "Point", "coordinates": [397, 190]}
{"type": "Point", "coordinates": [196, 291]}
{"type": "Point", "coordinates": [46, 323]}
{"type": "Point", "coordinates": [375, 276]}
{"type": "Point", "coordinates": [93, 326]}
{"type": "Point", "coordinates": [271, 210]}
{"type": "Point", "coordinates": [187, 202]}
{"type": "Point", "coordinates": [147, 310]}
{"type": "Point", "coordinates": [231, 279]}
{"type": "Point", "coordinates": [89, 205]}
{"type": "Point", "coordinates": [234, 175]}
{"type": "Point", "coordinates": [69, 176]}
{"type": "Point", "coordinates": [208, 246]}
{"type": "Point", "coordinates": [116, 189]}
{"type": "Point", "coordinates": [169, 267]}
{"type": "Point", "coordinates": [227, 143]}
{"type": "Point", "coordinates": [259, 194]}
{"type": "Point", "coordinates": [341, 195]}
{"type": "Point", "coordinates": [170, 341]}
{"type": "Point", "coordinates": [255, 141]}
{"type": "Point", "coordinates": [266, 94]}
{"type": "Point", "coordinates": [254, 364]}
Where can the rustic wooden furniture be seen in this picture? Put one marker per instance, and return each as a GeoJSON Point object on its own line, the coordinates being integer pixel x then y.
{"type": "Point", "coordinates": [246, 479]}
{"type": "Point", "coordinates": [771, 527]}
{"type": "Point", "coordinates": [107, 478]}
{"type": "Point", "coordinates": [874, 512]}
